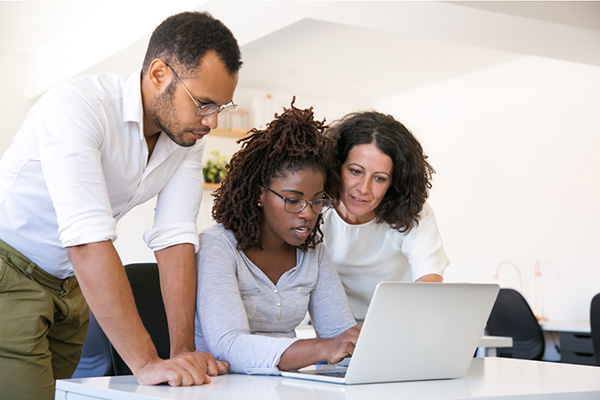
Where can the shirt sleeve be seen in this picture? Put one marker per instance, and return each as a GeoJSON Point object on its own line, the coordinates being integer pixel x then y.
{"type": "Point", "coordinates": [328, 306]}
{"type": "Point", "coordinates": [70, 132]}
{"type": "Point", "coordinates": [178, 204]}
{"type": "Point", "coordinates": [222, 313]}
{"type": "Point", "coordinates": [423, 247]}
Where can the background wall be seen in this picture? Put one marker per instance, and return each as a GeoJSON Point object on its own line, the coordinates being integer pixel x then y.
{"type": "Point", "coordinates": [13, 104]}
{"type": "Point", "coordinates": [516, 152]}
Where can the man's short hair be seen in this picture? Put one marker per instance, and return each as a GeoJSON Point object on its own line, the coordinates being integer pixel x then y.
{"type": "Point", "coordinates": [183, 39]}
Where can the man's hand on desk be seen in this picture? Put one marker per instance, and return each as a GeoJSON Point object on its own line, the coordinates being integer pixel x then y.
{"type": "Point", "coordinates": [185, 369]}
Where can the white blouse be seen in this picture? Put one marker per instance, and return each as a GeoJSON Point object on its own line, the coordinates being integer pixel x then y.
{"type": "Point", "coordinates": [369, 253]}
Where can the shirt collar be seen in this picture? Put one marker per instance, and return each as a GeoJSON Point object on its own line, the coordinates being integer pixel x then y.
{"type": "Point", "coordinates": [132, 101]}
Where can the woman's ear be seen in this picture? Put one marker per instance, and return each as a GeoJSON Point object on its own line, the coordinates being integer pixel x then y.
{"type": "Point", "coordinates": [261, 198]}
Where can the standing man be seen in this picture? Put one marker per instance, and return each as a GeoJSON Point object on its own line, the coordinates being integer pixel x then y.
{"type": "Point", "coordinates": [88, 152]}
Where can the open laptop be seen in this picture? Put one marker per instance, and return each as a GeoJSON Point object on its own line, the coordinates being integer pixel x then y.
{"type": "Point", "coordinates": [414, 331]}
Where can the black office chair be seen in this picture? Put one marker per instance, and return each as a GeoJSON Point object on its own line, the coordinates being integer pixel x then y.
{"type": "Point", "coordinates": [96, 358]}
{"type": "Point", "coordinates": [512, 316]}
{"type": "Point", "coordinates": [145, 285]}
{"type": "Point", "coordinates": [595, 324]}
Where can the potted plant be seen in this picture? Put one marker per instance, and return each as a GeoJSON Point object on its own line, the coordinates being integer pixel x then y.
{"type": "Point", "coordinates": [215, 169]}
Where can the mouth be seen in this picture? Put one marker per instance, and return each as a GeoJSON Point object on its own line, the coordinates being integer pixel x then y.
{"type": "Point", "coordinates": [357, 200]}
{"type": "Point", "coordinates": [302, 230]}
{"type": "Point", "coordinates": [200, 135]}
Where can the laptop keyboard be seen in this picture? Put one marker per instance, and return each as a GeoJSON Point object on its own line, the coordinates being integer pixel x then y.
{"type": "Point", "coordinates": [339, 374]}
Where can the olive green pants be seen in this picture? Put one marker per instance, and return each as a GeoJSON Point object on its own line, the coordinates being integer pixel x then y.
{"type": "Point", "coordinates": [43, 324]}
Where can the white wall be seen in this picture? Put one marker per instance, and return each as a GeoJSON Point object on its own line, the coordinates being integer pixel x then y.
{"type": "Point", "coordinates": [516, 152]}
{"type": "Point", "coordinates": [13, 106]}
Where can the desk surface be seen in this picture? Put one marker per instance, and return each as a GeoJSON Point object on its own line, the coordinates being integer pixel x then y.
{"type": "Point", "coordinates": [497, 378]}
{"type": "Point", "coordinates": [566, 326]}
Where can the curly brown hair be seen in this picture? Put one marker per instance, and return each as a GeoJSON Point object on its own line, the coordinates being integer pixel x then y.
{"type": "Point", "coordinates": [291, 142]}
{"type": "Point", "coordinates": [411, 174]}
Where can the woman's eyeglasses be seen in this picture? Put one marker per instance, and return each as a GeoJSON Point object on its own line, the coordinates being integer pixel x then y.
{"type": "Point", "coordinates": [298, 205]}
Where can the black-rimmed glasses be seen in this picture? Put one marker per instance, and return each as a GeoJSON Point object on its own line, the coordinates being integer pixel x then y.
{"type": "Point", "coordinates": [206, 109]}
{"type": "Point", "coordinates": [296, 206]}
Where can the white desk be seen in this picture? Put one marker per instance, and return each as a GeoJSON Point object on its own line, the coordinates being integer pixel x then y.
{"type": "Point", "coordinates": [566, 326]}
{"type": "Point", "coordinates": [572, 338]}
{"type": "Point", "coordinates": [497, 378]}
{"type": "Point", "coordinates": [490, 343]}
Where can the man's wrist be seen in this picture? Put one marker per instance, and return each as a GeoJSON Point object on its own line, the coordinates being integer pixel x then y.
{"type": "Point", "coordinates": [180, 348]}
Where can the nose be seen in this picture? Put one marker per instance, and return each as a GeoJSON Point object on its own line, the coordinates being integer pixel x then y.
{"type": "Point", "coordinates": [307, 214]}
{"type": "Point", "coordinates": [363, 185]}
{"type": "Point", "coordinates": [211, 120]}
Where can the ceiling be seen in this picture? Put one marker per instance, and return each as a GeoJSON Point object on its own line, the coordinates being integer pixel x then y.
{"type": "Point", "coordinates": [347, 50]}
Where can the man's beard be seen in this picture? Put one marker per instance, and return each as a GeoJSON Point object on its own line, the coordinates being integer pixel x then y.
{"type": "Point", "coordinates": [161, 115]}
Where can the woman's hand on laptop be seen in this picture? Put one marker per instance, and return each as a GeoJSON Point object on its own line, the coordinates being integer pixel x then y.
{"type": "Point", "coordinates": [342, 346]}
{"type": "Point", "coordinates": [311, 351]}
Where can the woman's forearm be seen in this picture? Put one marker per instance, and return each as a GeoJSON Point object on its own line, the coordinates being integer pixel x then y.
{"type": "Point", "coordinates": [303, 353]}
{"type": "Point", "coordinates": [311, 351]}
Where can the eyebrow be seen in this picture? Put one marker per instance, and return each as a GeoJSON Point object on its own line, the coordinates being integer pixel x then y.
{"type": "Point", "coordinates": [376, 172]}
{"type": "Point", "coordinates": [204, 100]}
{"type": "Point", "coordinates": [300, 193]}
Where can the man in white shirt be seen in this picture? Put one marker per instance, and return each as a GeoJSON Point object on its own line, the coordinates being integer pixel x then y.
{"type": "Point", "coordinates": [88, 152]}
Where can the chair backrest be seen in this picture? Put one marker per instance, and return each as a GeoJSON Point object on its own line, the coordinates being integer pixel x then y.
{"type": "Point", "coordinates": [96, 359]}
{"type": "Point", "coordinates": [595, 324]}
{"type": "Point", "coordinates": [145, 285]}
{"type": "Point", "coordinates": [512, 316]}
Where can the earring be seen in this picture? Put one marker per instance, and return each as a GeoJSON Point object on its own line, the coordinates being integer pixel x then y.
{"type": "Point", "coordinates": [259, 204]}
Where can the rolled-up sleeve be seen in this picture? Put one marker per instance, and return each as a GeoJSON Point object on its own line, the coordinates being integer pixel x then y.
{"type": "Point", "coordinates": [221, 313]}
{"type": "Point", "coordinates": [178, 204]}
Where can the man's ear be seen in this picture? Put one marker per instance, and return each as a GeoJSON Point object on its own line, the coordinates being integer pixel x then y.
{"type": "Point", "coordinates": [157, 73]}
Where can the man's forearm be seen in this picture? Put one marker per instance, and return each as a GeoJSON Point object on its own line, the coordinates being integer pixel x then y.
{"type": "Point", "coordinates": [177, 266]}
{"type": "Point", "coordinates": [106, 288]}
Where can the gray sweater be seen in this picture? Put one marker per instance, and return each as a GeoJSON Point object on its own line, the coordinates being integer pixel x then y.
{"type": "Point", "coordinates": [243, 318]}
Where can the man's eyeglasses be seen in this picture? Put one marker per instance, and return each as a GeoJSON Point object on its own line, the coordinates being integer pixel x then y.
{"type": "Point", "coordinates": [206, 109]}
{"type": "Point", "coordinates": [296, 206]}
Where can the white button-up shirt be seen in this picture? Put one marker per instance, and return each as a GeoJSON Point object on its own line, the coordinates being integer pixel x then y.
{"type": "Point", "coordinates": [80, 162]}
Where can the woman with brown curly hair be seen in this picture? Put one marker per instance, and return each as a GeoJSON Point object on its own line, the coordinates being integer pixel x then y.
{"type": "Point", "coordinates": [262, 267]}
{"type": "Point", "coordinates": [382, 229]}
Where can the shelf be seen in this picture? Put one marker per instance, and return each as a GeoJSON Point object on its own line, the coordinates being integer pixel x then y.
{"type": "Point", "coordinates": [211, 186]}
{"type": "Point", "coordinates": [232, 133]}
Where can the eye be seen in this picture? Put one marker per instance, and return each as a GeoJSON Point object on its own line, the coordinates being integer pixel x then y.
{"type": "Point", "coordinates": [354, 171]}
{"type": "Point", "coordinates": [380, 179]}
{"type": "Point", "coordinates": [292, 201]}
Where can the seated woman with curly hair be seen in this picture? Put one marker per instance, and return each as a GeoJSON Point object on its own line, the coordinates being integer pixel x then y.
{"type": "Point", "coordinates": [262, 267]}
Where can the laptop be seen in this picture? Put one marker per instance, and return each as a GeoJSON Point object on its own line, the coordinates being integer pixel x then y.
{"type": "Point", "coordinates": [414, 331]}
